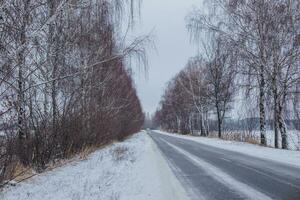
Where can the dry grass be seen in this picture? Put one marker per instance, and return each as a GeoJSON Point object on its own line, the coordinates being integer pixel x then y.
{"type": "Point", "coordinates": [240, 136]}
{"type": "Point", "coordinates": [115, 196]}
{"type": "Point", "coordinates": [23, 173]}
{"type": "Point", "coordinates": [86, 151]}
{"type": "Point", "coordinates": [252, 140]}
{"type": "Point", "coordinates": [17, 172]}
{"type": "Point", "coordinates": [119, 153]}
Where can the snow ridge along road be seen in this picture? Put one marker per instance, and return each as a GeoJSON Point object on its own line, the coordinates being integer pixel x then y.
{"type": "Point", "coordinates": [129, 170]}
{"type": "Point", "coordinates": [209, 172]}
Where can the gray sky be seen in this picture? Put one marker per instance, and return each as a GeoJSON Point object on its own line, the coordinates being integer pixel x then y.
{"type": "Point", "coordinates": [167, 20]}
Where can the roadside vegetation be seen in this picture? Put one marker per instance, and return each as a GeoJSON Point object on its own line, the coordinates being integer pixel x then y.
{"type": "Point", "coordinates": [65, 80]}
{"type": "Point", "coordinates": [244, 85]}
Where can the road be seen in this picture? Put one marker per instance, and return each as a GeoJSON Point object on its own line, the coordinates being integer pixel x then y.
{"type": "Point", "coordinates": [211, 173]}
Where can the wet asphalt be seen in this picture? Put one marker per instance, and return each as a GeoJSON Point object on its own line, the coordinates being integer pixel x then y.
{"type": "Point", "coordinates": [271, 179]}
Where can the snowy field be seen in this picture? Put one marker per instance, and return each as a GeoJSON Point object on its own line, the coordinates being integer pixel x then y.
{"type": "Point", "coordinates": [131, 170]}
{"type": "Point", "coordinates": [285, 156]}
{"type": "Point", "coordinates": [293, 137]}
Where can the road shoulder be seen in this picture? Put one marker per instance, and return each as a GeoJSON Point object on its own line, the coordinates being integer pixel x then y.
{"type": "Point", "coordinates": [129, 170]}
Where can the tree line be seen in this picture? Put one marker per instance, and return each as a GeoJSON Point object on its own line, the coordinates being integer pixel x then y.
{"type": "Point", "coordinates": [250, 50]}
{"type": "Point", "coordinates": [65, 78]}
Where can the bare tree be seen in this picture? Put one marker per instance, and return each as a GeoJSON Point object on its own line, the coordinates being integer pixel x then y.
{"type": "Point", "coordinates": [202, 87]}
{"type": "Point", "coordinates": [266, 36]}
{"type": "Point", "coordinates": [65, 80]}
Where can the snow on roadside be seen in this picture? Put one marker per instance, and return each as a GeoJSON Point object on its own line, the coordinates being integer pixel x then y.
{"type": "Point", "coordinates": [131, 170]}
{"type": "Point", "coordinates": [293, 138]}
{"type": "Point", "coordinates": [279, 155]}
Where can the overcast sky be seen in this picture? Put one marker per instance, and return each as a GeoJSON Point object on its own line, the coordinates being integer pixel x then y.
{"type": "Point", "coordinates": [167, 20]}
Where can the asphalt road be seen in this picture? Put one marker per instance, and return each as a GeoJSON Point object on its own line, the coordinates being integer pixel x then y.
{"type": "Point", "coordinates": [211, 173]}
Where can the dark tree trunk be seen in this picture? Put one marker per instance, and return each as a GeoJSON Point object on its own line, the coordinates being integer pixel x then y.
{"type": "Point", "coordinates": [282, 127]}
{"type": "Point", "coordinates": [275, 95]}
{"type": "Point", "coordinates": [262, 114]}
{"type": "Point", "coordinates": [219, 121]}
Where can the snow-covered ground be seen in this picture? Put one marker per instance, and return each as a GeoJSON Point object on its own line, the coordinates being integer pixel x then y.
{"type": "Point", "coordinates": [293, 137]}
{"type": "Point", "coordinates": [279, 155]}
{"type": "Point", "coordinates": [131, 170]}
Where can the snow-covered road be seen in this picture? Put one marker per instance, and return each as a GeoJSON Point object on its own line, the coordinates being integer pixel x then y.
{"type": "Point", "coordinates": [131, 170]}
{"type": "Point", "coordinates": [214, 169]}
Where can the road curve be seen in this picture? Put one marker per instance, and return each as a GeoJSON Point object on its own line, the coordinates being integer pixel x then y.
{"type": "Point", "coordinates": [211, 173]}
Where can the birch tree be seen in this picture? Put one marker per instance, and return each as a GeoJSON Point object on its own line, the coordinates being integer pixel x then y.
{"type": "Point", "coordinates": [65, 77]}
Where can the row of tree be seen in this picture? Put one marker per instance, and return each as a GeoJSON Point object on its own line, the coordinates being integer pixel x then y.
{"type": "Point", "coordinates": [251, 45]}
{"type": "Point", "coordinates": [201, 90]}
{"type": "Point", "coordinates": [65, 82]}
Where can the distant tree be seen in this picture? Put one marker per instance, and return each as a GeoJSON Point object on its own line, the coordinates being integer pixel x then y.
{"type": "Point", "coordinates": [221, 71]}
{"type": "Point", "coordinates": [203, 86]}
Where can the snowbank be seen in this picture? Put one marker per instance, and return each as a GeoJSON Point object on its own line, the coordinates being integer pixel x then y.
{"type": "Point", "coordinates": [132, 170]}
{"type": "Point", "coordinates": [279, 155]}
{"type": "Point", "coordinates": [293, 138]}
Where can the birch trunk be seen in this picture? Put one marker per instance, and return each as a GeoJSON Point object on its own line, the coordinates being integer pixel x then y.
{"type": "Point", "coordinates": [262, 113]}
{"type": "Point", "coordinates": [276, 101]}
{"type": "Point", "coordinates": [275, 122]}
{"type": "Point", "coordinates": [282, 127]}
{"type": "Point", "coordinates": [22, 135]}
{"type": "Point", "coordinates": [52, 59]}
